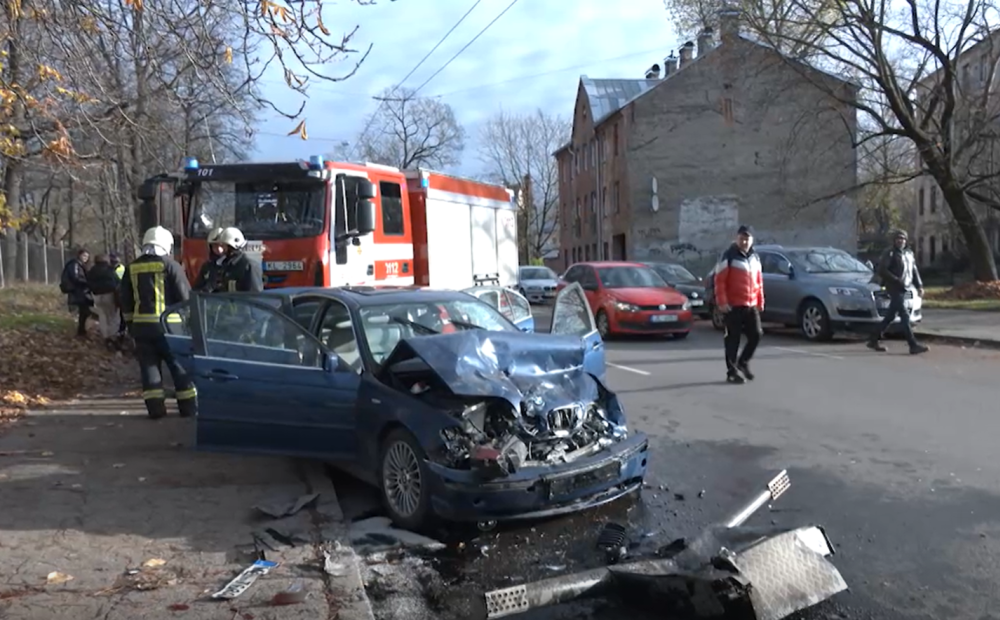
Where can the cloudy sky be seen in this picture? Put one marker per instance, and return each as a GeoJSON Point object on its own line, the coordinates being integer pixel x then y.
{"type": "Point", "coordinates": [531, 58]}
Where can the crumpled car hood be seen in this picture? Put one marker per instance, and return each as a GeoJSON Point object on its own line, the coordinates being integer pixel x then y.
{"type": "Point", "coordinates": [515, 366]}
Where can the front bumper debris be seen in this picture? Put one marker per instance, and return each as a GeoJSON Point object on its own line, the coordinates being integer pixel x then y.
{"type": "Point", "coordinates": [727, 571]}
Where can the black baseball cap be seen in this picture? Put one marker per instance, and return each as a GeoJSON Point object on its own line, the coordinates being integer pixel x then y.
{"type": "Point", "coordinates": [745, 230]}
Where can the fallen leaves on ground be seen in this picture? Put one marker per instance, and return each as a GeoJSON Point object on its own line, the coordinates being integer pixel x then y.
{"type": "Point", "coordinates": [969, 291]}
{"type": "Point", "coordinates": [41, 359]}
{"type": "Point", "coordinates": [56, 578]}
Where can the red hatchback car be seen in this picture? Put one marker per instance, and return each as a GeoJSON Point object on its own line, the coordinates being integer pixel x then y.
{"type": "Point", "coordinates": [631, 298]}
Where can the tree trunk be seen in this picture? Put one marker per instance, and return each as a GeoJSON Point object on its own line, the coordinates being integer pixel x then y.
{"type": "Point", "coordinates": [984, 267]}
{"type": "Point", "coordinates": [13, 166]}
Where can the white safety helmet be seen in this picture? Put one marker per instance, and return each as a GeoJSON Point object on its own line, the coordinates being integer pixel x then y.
{"type": "Point", "coordinates": [213, 236]}
{"type": "Point", "coordinates": [160, 237]}
{"type": "Point", "coordinates": [233, 238]}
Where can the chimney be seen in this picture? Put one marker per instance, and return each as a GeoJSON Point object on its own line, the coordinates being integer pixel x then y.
{"type": "Point", "coordinates": [729, 23]}
{"type": "Point", "coordinates": [706, 41]}
{"type": "Point", "coordinates": [669, 65]}
{"type": "Point", "coordinates": [653, 73]}
{"type": "Point", "coordinates": [687, 54]}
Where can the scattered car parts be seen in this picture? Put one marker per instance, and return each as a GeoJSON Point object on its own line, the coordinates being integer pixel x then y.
{"type": "Point", "coordinates": [765, 574]}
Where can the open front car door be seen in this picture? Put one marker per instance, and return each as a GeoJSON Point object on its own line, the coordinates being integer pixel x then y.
{"type": "Point", "coordinates": [266, 384]}
{"type": "Point", "coordinates": [571, 316]}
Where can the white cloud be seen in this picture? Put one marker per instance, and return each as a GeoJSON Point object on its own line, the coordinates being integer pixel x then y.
{"type": "Point", "coordinates": [531, 58]}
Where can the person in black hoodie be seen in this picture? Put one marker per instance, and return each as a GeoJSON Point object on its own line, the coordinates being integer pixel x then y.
{"type": "Point", "coordinates": [897, 268]}
{"type": "Point", "coordinates": [74, 284]}
{"type": "Point", "coordinates": [103, 283]}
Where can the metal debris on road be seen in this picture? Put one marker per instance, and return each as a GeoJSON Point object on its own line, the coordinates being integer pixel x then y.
{"type": "Point", "coordinates": [378, 534]}
{"type": "Point", "coordinates": [284, 508]}
{"type": "Point", "coordinates": [764, 574]}
{"type": "Point", "coordinates": [613, 540]}
{"type": "Point", "coordinates": [245, 579]}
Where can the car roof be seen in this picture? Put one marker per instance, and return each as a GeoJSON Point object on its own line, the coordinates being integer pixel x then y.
{"type": "Point", "coordinates": [597, 264]}
{"type": "Point", "coordinates": [373, 295]}
{"type": "Point", "coordinates": [791, 248]}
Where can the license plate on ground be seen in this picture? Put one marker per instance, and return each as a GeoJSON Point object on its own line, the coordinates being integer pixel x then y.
{"type": "Point", "coordinates": [284, 265]}
{"type": "Point", "coordinates": [663, 318]}
{"type": "Point", "coordinates": [697, 302]}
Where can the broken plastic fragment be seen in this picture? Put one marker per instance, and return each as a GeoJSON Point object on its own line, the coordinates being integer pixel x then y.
{"type": "Point", "coordinates": [153, 563]}
{"type": "Point", "coordinates": [55, 578]}
{"type": "Point", "coordinates": [281, 509]}
{"type": "Point", "coordinates": [244, 580]}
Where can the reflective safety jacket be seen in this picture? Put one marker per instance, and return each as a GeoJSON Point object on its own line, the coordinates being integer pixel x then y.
{"type": "Point", "coordinates": [120, 271]}
{"type": "Point", "coordinates": [152, 283]}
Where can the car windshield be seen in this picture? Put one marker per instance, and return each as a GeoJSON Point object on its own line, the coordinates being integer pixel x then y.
{"type": "Point", "coordinates": [827, 261]}
{"type": "Point", "coordinates": [385, 325]}
{"type": "Point", "coordinates": [262, 210]}
{"type": "Point", "coordinates": [674, 273]}
{"type": "Point", "coordinates": [630, 277]}
{"type": "Point", "coordinates": [537, 273]}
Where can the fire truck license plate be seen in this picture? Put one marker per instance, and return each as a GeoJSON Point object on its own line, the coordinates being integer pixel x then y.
{"type": "Point", "coordinates": [283, 265]}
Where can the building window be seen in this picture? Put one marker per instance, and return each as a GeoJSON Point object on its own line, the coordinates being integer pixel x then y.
{"type": "Point", "coordinates": [593, 251]}
{"type": "Point", "coordinates": [578, 207]}
{"type": "Point", "coordinates": [565, 254]}
{"type": "Point", "coordinates": [605, 255]}
{"type": "Point", "coordinates": [920, 250]}
{"type": "Point", "coordinates": [920, 201]}
{"type": "Point", "coordinates": [586, 252]}
{"type": "Point", "coordinates": [593, 202]}
{"type": "Point", "coordinates": [617, 198]}
{"type": "Point", "coordinates": [944, 244]}
{"type": "Point", "coordinates": [933, 243]}
{"type": "Point", "coordinates": [933, 209]}
{"type": "Point", "coordinates": [393, 222]}
{"type": "Point", "coordinates": [727, 110]}
{"type": "Point", "coordinates": [616, 140]}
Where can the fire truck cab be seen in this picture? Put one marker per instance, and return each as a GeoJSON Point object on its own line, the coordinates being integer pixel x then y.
{"type": "Point", "coordinates": [322, 223]}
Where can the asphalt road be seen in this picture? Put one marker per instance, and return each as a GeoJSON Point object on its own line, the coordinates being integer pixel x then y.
{"type": "Point", "coordinates": [894, 454]}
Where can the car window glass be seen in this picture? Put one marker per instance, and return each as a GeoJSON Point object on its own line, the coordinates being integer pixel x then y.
{"type": "Point", "coordinates": [304, 311]}
{"type": "Point", "coordinates": [490, 297]}
{"type": "Point", "coordinates": [573, 274]}
{"type": "Point", "coordinates": [588, 278]}
{"type": "Point", "coordinates": [571, 314]}
{"type": "Point", "coordinates": [336, 332]}
{"type": "Point", "coordinates": [237, 330]}
{"type": "Point", "coordinates": [520, 308]}
{"type": "Point", "coordinates": [767, 262]}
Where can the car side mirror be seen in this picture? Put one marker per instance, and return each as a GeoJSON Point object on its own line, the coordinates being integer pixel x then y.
{"type": "Point", "coordinates": [365, 216]}
{"type": "Point", "coordinates": [331, 362]}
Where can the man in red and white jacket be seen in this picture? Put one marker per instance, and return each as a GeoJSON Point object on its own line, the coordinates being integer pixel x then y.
{"type": "Point", "coordinates": [739, 295]}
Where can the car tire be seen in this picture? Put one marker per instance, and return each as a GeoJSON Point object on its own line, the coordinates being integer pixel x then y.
{"type": "Point", "coordinates": [718, 320]}
{"type": "Point", "coordinates": [680, 336]}
{"type": "Point", "coordinates": [603, 324]}
{"type": "Point", "coordinates": [401, 463]}
{"type": "Point", "coordinates": [814, 321]}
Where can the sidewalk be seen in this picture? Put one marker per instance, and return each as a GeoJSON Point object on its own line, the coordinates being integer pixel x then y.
{"type": "Point", "coordinates": [94, 489]}
{"type": "Point", "coordinates": [961, 326]}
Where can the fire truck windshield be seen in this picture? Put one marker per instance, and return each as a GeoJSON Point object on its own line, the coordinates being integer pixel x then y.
{"type": "Point", "coordinates": [262, 210]}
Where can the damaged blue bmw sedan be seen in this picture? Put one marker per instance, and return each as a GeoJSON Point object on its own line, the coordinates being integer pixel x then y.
{"type": "Point", "coordinates": [434, 397]}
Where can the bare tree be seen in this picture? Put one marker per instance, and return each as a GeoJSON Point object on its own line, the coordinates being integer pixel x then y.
{"type": "Point", "coordinates": [800, 23]}
{"type": "Point", "coordinates": [516, 150]}
{"type": "Point", "coordinates": [926, 73]}
{"type": "Point", "coordinates": [407, 131]}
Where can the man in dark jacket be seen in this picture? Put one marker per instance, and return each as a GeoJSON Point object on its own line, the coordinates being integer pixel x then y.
{"type": "Point", "coordinates": [103, 283]}
{"type": "Point", "coordinates": [898, 271]}
{"type": "Point", "coordinates": [739, 295]}
{"type": "Point", "coordinates": [78, 295]}
{"type": "Point", "coordinates": [240, 274]}
{"type": "Point", "coordinates": [153, 282]}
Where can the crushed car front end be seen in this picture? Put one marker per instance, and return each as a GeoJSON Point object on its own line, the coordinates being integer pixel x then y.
{"type": "Point", "coordinates": [523, 432]}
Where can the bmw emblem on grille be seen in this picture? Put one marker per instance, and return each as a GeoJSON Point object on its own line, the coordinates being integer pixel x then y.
{"type": "Point", "coordinates": [662, 307]}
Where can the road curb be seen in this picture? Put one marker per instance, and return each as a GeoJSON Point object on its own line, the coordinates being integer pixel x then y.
{"type": "Point", "coordinates": [346, 585]}
{"type": "Point", "coordinates": [958, 340]}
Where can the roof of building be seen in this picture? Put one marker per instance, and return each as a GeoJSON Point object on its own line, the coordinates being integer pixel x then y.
{"type": "Point", "coordinates": [608, 96]}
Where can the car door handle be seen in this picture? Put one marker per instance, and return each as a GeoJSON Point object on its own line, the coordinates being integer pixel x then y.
{"type": "Point", "coordinates": [596, 345]}
{"type": "Point", "coordinates": [219, 375]}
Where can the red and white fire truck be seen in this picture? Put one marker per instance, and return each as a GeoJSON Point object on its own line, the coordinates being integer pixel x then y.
{"type": "Point", "coordinates": [323, 223]}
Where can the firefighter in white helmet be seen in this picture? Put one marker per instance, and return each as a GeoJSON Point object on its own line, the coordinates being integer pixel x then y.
{"type": "Point", "coordinates": [152, 282]}
{"type": "Point", "coordinates": [210, 276]}
{"type": "Point", "coordinates": [240, 274]}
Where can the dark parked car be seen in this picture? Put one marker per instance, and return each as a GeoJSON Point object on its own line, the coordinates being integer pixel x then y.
{"type": "Point", "coordinates": [432, 396]}
{"type": "Point", "coordinates": [682, 280]}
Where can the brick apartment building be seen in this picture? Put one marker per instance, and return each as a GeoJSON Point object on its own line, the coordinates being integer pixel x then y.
{"type": "Point", "coordinates": [667, 167]}
{"type": "Point", "coordinates": [937, 238]}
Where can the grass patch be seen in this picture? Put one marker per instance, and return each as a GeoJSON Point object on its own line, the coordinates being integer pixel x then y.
{"type": "Point", "coordinates": [979, 305]}
{"type": "Point", "coordinates": [978, 296]}
{"type": "Point", "coordinates": [29, 304]}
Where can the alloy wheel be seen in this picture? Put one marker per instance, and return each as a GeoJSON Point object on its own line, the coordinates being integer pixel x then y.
{"type": "Point", "coordinates": [812, 322]}
{"type": "Point", "coordinates": [401, 479]}
{"type": "Point", "coordinates": [603, 326]}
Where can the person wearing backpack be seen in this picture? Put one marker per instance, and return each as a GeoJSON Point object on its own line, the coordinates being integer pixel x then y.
{"type": "Point", "coordinates": [78, 295]}
{"type": "Point", "coordinates": [103, 283]}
